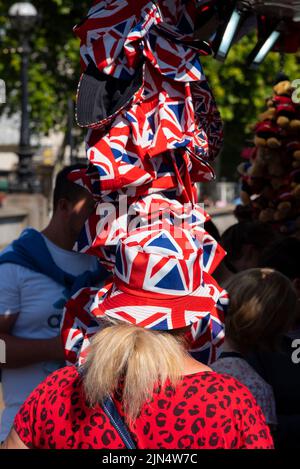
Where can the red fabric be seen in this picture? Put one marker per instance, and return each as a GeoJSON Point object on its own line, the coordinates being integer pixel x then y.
{"type": "Point", "coordinates": [208, 410]}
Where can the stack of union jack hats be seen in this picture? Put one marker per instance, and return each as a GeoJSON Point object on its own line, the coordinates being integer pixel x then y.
{"type": "Point", "coordinates": [153, 132]}
{"type": "Point", "coordinates": [162, 281]}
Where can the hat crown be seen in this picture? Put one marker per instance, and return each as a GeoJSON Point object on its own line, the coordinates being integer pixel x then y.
{"type": "Point", "coordinates": [163, 261]}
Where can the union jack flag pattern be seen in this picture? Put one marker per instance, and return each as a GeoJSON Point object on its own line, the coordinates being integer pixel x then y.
{"type": "Point", "coordinates": [174, 108]}
{"type": "Point", "coordinates": [165, 138]}
{"type": "Point", "coordinates": [144, 161]}
{"type": "Point", "coordinates": [79, 323]}
{"type": "Point", "coordinates": [113, 220]}
{"type": "Point", "coordinates": [162, 281]}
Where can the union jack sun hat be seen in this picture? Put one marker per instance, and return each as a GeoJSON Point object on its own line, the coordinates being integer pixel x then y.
{"type": "Point", "coordinates": [160, 282]}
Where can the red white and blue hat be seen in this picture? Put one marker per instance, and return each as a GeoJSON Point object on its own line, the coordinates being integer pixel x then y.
{"type": "Point", "coordinates": [160, 281]}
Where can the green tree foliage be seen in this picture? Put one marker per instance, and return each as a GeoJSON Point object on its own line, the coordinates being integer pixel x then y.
{"type": "Point", "coordinates": [55, 70]}
{"type": "Point", "coordinates": [54, 67]}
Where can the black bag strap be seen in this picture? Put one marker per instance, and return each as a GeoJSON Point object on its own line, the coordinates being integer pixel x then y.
{"type": "Point", "coordinates": [115, 419]}
{"type": "Point", "coordinates": [117, 422]}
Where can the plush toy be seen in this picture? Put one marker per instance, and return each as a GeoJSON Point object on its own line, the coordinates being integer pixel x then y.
{"type": "Point", "coordinates": [268, 134]}
{"type": "Point", "coordinates": [296, 191]}
{"type": "Point", "coordinates": [296, 162]}
{"type": "Point", "coordinates": [269, 114]}
{"type": "Point", "coordinates": [266, 215]}
{"type": "Point", "coordinates": [293, 151]}
{"type": "Point", "coordinates": [295, 183]}
{"type": "Point", "coordinates": [276, 183]}
{"type": "Point", "coordinates": [283, 88]}
{"type": "Point", "coordinates": [272, 161]}
{"type": "Point", "coordinates": [286, 113]}
{"type": "Point", "coordinates": [271, 173]}
{"type": "Point", "coordinates": [283, 210]}
{"type": "Point", "coordinates": [258, 165]}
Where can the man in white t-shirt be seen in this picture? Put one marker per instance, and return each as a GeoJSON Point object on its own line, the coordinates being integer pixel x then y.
{"type": "Point", "coordinates": [38, 273]}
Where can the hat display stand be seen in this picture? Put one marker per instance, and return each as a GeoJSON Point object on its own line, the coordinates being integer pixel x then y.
{"type": "Point", "coordinates": [153, 132]}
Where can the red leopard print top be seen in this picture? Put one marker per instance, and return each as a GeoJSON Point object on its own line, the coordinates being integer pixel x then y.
{"type": "Point", "coordinates": [207, 410]}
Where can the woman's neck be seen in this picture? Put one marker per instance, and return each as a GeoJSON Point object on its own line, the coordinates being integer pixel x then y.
{"type": "Point", "coordinates": [192, 366]}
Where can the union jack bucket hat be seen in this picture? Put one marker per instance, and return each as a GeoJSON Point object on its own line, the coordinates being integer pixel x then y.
{"type": "Point", "coordinates": [161, 283]}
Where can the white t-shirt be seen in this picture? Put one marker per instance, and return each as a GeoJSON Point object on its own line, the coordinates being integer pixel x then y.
{"type": "Point", "coordinates": [39, 300]}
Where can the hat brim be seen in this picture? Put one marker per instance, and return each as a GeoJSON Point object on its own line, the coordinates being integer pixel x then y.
{"type": "Point", "coordinates": [100, 97]}
{"type": "Point", "coordinates": [162, 312]}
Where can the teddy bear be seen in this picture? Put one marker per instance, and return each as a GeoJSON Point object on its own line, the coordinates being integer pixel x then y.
{"type": "Point", "coordinates": [272, 159]}
{"type": "Point", "coordinates": [286, 113]}
{"type": "Point", "coordinates": [285, 110]}
{"type": "Point", "coordinates": [295, 183]}
{"type": "Point", "coordinates": [271, 175]}
{"type": "Point", "coordinates": [257, 165]}
{"type": "Point", "coordinates": [269, 114]}
{"type": "Point", "coordinates": [268, 134]}
{"type": "Point", "coordinates": [296, 191]}
{"type": "Point", "coordinates": [283, 210]}
{"type": "Point", "coordinates": [296, 162]}
{"type": "Point", "coordinates": [266, 215]}
{"type": "Point", "coordinates": [283, 88]}
{"type": "Point", "coordinates": [293, 151]}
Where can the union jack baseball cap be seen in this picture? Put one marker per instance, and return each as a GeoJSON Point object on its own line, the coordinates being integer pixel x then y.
{"type": "Point", "coordinates": [161, 283]}
{"type": "Point", "coordinates": [100, 97]}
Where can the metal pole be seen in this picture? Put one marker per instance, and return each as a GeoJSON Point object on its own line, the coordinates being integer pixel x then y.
{"type": "Point", "coordinates": [25, 152]}
{"type": "Point", "coordinates": [25, 132]}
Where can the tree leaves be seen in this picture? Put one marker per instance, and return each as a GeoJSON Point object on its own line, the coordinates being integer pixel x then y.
{"type": "Point", "coordinates": [54, 64]}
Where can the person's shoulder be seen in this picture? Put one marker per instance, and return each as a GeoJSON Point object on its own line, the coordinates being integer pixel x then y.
{"type": "Point", "coordinates": [232, 382]}
{"type": "Point", "coordinates": [9, 269]}
{"type": "Point", "coordinates": [215, 381]}
{"type": "Point", "coordinates": [61, 379]}
{"type": "Point", "coordinates": [222, 392]}
{"type": "Point", "coordinates": [14, 274]}
{"type": "Point", "coordinates": [260, 386]}
{"type": "Point", "coordinates": [61, 382]}
{"type": "Point", "coordinates": [63, 376]}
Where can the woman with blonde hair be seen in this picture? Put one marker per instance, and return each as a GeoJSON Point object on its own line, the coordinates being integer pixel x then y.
{"type": "Point", "coordinates": [139, 387]}
{"type": "Point", "coordinates": [262, 308]}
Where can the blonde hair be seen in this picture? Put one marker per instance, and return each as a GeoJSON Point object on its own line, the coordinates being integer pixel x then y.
{"type": "Point", "coordinates": [139, 358]}
{"type": "Point", "coordinates": [262, 307]}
